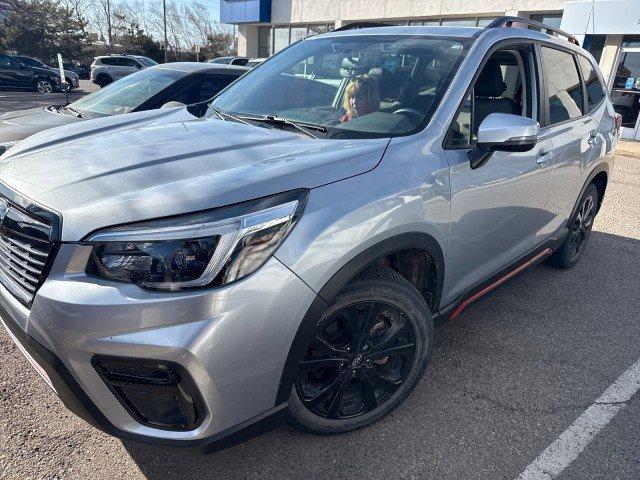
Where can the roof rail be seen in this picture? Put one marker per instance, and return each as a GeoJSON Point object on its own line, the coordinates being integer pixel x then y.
{"type": "Point", "coordinates": [359, 25]}
{"type": "Point", "coordinates": [529, 24]}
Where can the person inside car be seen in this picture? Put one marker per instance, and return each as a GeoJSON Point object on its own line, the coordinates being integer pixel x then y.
{"type": "Point", "coordinates": [361, 97]}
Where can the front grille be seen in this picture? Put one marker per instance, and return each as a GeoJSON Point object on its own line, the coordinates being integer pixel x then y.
{"type": "Point", "coordinates": [26, 246]}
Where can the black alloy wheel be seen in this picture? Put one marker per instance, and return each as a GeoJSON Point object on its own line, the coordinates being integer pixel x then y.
{"type": "Point", "coordinates": [582, 227]}
{"type": "Point", "coordinates": [568, 254]}
{"type": "Point", "coordinates": [357, 359]}
{"type": "Point", "coordinates": [366, 355]}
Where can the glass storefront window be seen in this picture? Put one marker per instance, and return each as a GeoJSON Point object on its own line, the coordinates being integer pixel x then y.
{"type": "Point", "coordinates": [631, 41]}
{"type": "Point", "coordinates": [625, 94]}
{"type": "Point", "coordinates": [552, 19]}
{"type": "Point", "coordinates": [318, 29]}
{"type": "Point", "coordinates": [594, 44]}
{"type": "Point", "coordinates": [280, 38]}
{"type": "Point", "coordinates": [483, 22]}
{"type": "Point", "coordinates": [298, 33]}
{"type": "Point", "coordinates": [264, 42]}
{"type": "Point", "coordinates": [459, 22]}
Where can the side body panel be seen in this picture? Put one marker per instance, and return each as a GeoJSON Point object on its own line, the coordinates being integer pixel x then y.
{"type": "Point", "coordinates": [496, 213]}
{"type": "Point", "coordinates": [408, 192]}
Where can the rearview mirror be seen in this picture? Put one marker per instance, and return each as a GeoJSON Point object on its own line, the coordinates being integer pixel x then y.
{"type": "Point", "coordinates": [173, 104]}
{"type": "Point", "coordinates": [503, 132]}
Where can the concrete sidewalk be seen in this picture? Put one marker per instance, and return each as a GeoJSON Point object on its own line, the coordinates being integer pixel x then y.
{"type": "Point", "coordinates": [628, 148]}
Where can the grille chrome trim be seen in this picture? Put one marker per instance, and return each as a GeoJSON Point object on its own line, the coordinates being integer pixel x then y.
{"type": "Point", "coordinates": [27, 235]}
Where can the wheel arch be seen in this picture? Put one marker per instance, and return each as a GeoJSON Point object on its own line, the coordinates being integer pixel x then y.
{"type": "Point", "coordinates": [42, 77]}
{"type": "Point", "coordinates": [421, 243]}
{"type": "Point", "coordinates": [599, 176]}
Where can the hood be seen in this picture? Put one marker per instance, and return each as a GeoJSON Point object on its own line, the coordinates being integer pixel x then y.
{"type": "Point", "coordinates": [100, 172]}
{"type": "Point", "coordinates": [20, 124]}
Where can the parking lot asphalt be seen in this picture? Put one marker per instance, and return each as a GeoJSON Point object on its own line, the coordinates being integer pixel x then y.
{"type": "Point", "coordinates": [21, 100]}
{"type": "Point", "coordinates": [506, 379]}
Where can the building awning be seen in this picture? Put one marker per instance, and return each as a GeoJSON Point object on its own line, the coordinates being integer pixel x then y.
{"type": "Point", "coordinates": [601, 17]}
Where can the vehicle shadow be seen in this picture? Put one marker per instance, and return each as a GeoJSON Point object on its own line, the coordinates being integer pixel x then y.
{"type": "Point", "coordinates": [505, 362]}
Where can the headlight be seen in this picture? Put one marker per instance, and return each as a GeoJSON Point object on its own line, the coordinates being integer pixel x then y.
{"type": "Point", "coordinates": [209, 248]}
{"type": "Point", "coordinates": [4, 146]}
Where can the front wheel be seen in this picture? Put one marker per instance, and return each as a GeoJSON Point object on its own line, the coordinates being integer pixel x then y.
{"type": "Point", "coordinates": [368, 352]}
{"type": "Point", "coordinates": [580, 226]}
{"type": "Point", "coordinates": [44, 86]}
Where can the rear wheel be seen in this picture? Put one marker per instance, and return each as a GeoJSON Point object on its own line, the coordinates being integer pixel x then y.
{"type": "Point", "coordinates": [580, 226]}
{"type": "Point", "coordinates": [367, 354]}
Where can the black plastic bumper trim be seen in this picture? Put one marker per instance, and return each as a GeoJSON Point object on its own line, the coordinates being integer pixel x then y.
{"type": "Point", "coordinates": [76, 400]}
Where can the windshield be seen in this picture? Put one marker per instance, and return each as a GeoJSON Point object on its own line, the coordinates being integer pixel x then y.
{"type": "Point", "coordinates": [127, 93]}
{"type": "Point", "coordinates": [33, 62]}
{"type": "Point", "coordinates": [354, 87]}
{"type": "Point", "coordinates": [147, 62]}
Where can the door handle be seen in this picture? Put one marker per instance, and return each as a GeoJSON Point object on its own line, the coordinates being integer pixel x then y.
{"type": "Point", "coordinates": [544, 157]}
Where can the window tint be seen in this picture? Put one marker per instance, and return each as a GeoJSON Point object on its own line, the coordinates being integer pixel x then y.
{"type": "Point", "coordinates": [595, 91]}
{"type": "Point", "coordinates": [503, 86]}
{"type": "Point", "coordinates": [129, 62]}
{"type": "Point", "coordinates": [211, 86]}
{"type": "Point", "coordinates": [563, 85]}
{"type": "Point", "coordinates": [109, 61]}
{"type": "Point", "coordinates": [5, 62]}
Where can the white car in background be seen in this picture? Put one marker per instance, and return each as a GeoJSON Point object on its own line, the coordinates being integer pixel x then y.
{"type": "Point", "coordinates": [108, 68]}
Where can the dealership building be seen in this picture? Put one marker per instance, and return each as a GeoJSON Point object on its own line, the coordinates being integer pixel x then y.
{"type": "Point", "coordinates": [609, 29]}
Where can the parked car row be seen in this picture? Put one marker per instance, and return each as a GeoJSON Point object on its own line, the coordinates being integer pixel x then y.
{"type": "Point", "coordinates": [170, 84]}
{"type": "Point", "coordinates": [21, 72]}
{"type": "Point", "coordinates": [191, 277]}
{"type": "Point", "coordinates": [25, 72]}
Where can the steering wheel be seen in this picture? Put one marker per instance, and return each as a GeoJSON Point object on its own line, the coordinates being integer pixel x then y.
{"type": "Point", "coordinates": [411, 112]}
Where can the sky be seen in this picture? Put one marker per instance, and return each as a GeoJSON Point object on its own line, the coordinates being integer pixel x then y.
{"type": "Point", "coordinates": [213, 5]}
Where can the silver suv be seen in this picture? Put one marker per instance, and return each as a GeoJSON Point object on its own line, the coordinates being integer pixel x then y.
{"type": "Point", "coordinates": [109, 68]}
{"type": "Point", "coordinates": [192, 282]}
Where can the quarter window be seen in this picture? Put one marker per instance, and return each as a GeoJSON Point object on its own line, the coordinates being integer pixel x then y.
{"type": "Point", "coordinates": [563, 85]}
{"type": "Point", "coordinates": [595, 91]}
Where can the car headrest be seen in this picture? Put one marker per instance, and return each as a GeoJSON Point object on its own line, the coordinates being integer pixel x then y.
{"type": "Point", "coordinates": [490, 83]}
{"type": "Point", "coordinates": [385, 81]}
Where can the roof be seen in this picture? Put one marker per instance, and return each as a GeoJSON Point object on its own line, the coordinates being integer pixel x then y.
{"type": "Point", "coordinates": [191, 67]}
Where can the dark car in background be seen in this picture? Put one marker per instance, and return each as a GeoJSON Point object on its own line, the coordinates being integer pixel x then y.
{"type": "Point", "coordinates": [167, 85]}
{"type": "Point", "coordinates": [241, 61]}
{"type": "Point", "coordinates": [15, 74]}
{"type": "Point", "coordinates": [71, 77]}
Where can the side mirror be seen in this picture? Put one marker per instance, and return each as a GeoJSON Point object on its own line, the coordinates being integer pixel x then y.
{"type": "Point", "coordinates": [503, 132]}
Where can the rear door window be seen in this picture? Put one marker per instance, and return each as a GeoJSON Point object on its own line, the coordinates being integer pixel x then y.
{"type": "Point", "coordinates": [563, 85]}
{"type": "Point", "coordinates": [595, 90]}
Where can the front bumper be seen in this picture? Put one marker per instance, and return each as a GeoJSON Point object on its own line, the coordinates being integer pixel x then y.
{"type": "Point", "coordinates": [233, 341]}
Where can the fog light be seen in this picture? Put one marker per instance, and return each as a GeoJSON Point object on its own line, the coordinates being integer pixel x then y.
{"type": "Point", "coordinates": [156, 393]}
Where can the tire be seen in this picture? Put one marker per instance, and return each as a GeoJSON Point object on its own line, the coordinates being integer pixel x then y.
{"type": "Point", "coordinates": [392, 318]}
{"type": "Point", "coordinates": [580, 226]}
{"type": "Point", "coordinates": [103, 80]}
{"type": "Point", "coordinates": [44, 85]}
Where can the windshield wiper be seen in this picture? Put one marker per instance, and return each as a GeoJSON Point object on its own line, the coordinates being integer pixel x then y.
{"type": "Point", "coordinates": [224, 115]}
{"type": "Point", "coordinates": [303, 127]}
